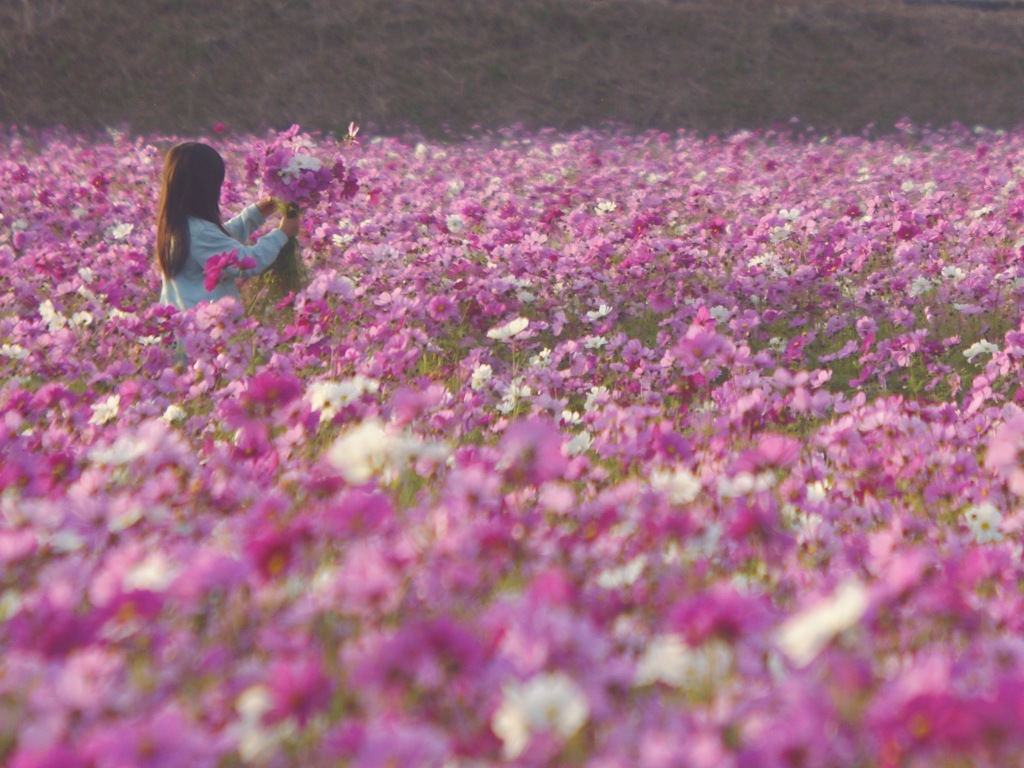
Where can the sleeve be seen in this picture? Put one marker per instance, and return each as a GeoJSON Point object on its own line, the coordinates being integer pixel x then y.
{"type": "Point", "coordinates": [244, 224]}
{"type": "Point", "coordinates": [208, 240]}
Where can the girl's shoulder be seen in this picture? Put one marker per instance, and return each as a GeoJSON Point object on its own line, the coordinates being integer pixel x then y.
{"type": "Point", "coordinates": [204, 228]}
{"type": "Point", "coordinates": [194, 222]}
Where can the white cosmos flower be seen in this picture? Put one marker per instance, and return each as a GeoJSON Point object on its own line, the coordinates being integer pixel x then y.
{"type": "Point", "coordinates": [595, 342]}
{"type": "Point", "coordinates": [668, 659]}
{"type": "Point", "coordinates": [952, 272]}
{"type": "Point", "coordinates": [361, 451]}
{"type": "Point", "coordinates": [549, 702]}
{"type": "Point", "coordinates": [370, 448]}
{"type": "Point", "coordinates": [571, 417]}
{"type": "Point", "coordinates": [154, 574]}
{"type": "Point", "coordinates": [680, 486]}
{"type": "Point", "coordinates": [10, 603]}
{"type": "Point", "coordinates": [126, 449]}
{"type": "Point", "coordinates": [984, 521]}
{"type": "Point", "coordinates": [257, 742]}
{"type": "Point", "coordinates": [623, 575]}
{"type": "Point", "coordinates": [513, 394]}
{"type": "Point", "coordinates": [766, 259]}
{"type": "Point", "coordinates": [818, 490]}
{"type": "Point", "coordinates": [13, 351]}
{"type": "Point", "coordinates": [329, 397]}
{"type": "Point", "coordinates": [509, 330]}
{"type": "Point", "coordinates": [119, 232]}
{"type": "Point", "coordinates": [174, 414]}
{"type": "Point", "coordinates": [298, 163]}
{"type": "Point", "coordinates": [744, 484]}
{"type": "Point", "coordinates": [105, 411]}
{"type": "Point", "coordinates": [455, 223]}
{"type": "Point", "coordinates": [82, 318]}
{"type": "Point", "coordinates": [579, 444]}
{"type": "Point", "coordinates": [664, 660]}
{"type": "Point", "coordinates": [595, 394]}
{"type": "Point", "coordinates": [51, 316]}
{"type": "Point", "coordinates": [979, 348]}
{"type": "Point", "coordinates": [605, 206]}
{"type": "Point", "coordinates": [481, 375]}
{"type": "Point", "coordinates": [803, 636]}
{"type": "Point", "coordinates": [603, 310]}
{"type": "Point", "coordinates": [920, 286]}
{"type": "Point", "coordinates": [541, 359]}
{"type": "Point", "coordinates": [66, 541]}
{"type": "Point", "coordinates": [720, 313]}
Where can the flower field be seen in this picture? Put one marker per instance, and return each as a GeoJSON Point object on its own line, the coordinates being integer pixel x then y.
{"type": "Point", "coordinates": [588, 448]}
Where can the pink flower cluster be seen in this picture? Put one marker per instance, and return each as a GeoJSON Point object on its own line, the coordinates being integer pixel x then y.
{"type": "Point", "coordinates": [290, 169]}
{"type": "Point", "coordinates": [586, 448]}
{"type": "Point", "coordinates": [216, 265]}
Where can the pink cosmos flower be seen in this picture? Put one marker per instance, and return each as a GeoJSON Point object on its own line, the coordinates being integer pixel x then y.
{"type": "Point", "coordinates": [356, 513]}
{"type": "Point", "coordinates": [227, 261]}
{"type": "Point", "coordinates": [442, 308]}
{"type": "Point", "coordinates": [720, 612]}
{"type": "Point", "coordinates": [532, 452]}
{"type": "Point", "coordinates": [48, 757]}
{"type": "Point", "coordinates": [299, 688]}
{"type": "Point", "coordinates": [389, 741]}
{"type": "Point", "coordinates": [272, 550]}
{"type": "Point", "coordinates": [269, 389]}
{"type": "Point", "coordinates": [163, 739]}
{"type": "Point", "coordinates": [1005, 454]}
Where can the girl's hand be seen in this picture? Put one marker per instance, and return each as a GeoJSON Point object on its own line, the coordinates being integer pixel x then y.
{"type": "Point", "coordinates": [266, 206]}
{"type": "Point", "coordinates": [290, 225]}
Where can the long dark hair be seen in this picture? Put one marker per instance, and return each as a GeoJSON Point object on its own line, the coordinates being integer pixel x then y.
{"type": "Point", "coordinates": [192, 178]}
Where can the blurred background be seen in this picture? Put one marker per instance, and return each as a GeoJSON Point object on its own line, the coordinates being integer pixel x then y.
{"type": "Point", "coordinates": [446, 68]}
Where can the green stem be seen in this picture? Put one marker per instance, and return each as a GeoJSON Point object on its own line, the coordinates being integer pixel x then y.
{"type": "Point", "coordinates": [288, 269]}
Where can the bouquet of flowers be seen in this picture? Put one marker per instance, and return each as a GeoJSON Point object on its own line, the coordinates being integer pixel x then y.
{"type": "Point", "coordinates": [290, 170]}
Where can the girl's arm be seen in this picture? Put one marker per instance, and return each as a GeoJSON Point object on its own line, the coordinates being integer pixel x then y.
{"type": "Point", "coordinates": [208, 240]}
{"type": "Point", "coordinates": [248, 221]}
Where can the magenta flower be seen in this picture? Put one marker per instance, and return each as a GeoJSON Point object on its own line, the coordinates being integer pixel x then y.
{"type": "Point", "coordinates": [531, 452]}
{"type": "Point", "coordinates": [270, 389]}
{"type": "Point", "coordinates": [164, 739]}
{"type": "Point", "coordinates": [358, 513]}
{"type": "Point", "coordinates": [228, 261]}
{"type": "Point", "coordinates": [299, 689]}
{"type": "Point", "coordinates": [48, 757]}
{"type": "Point", "coordinates": [721, 613]}
{"type": "Point", "coordinates": [272, 550]}
{"type": "Point", "coordinates": [443, 308]}
{"type": "Point", "coordinates": [1004, 454]}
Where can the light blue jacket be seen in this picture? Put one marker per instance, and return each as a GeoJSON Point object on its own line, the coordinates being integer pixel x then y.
{"type": "Point", "coordinates": [186, 288]}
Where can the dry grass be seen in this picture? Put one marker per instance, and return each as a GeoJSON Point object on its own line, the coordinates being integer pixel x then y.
{"type": "Point", "coordinates": [454, 66]}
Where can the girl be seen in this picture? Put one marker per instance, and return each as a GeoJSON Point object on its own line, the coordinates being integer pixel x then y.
{"type": "Point", "coordinates": [189, 229]}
